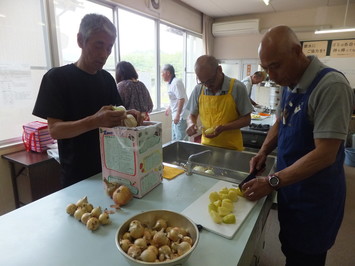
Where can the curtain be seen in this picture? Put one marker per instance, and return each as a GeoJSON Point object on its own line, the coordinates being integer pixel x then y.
{"type": "Point", "coordinates": [207, 36]}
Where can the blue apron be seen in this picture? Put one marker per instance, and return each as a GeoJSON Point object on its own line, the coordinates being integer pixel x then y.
{"type": "Point", "coordinates": [310, 211]}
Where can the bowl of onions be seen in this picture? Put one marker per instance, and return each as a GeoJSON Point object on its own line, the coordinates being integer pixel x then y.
{"type": "Point", "coordinates": [157, 237]}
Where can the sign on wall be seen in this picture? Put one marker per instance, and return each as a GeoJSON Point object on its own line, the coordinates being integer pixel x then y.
{"type": "Point", "coordinates": [318, 48]}
{"type": "Point", "coordinates": [343, 48]}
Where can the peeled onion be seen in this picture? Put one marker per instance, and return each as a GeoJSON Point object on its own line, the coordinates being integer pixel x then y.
{"type": "Point", "coordinates": [130, 121]}
{"type": "Point", "coordinates": [119, 108]}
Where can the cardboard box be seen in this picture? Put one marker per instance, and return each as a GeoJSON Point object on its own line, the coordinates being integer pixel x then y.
{"type": "Point", "coordinates": [133, 156]}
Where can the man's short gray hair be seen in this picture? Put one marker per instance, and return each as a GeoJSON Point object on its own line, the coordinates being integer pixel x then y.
{"type": "Point", "coordinates": [95, 23]}
{"type": "Point", "coordinates": [170, 69]}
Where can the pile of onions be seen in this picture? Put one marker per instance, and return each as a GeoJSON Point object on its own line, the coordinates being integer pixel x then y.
{"type": "Point", "coordinates": [156, 244]}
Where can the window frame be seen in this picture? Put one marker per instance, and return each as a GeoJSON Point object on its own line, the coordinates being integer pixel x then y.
{"type": "Point", "coordinates": [53, 54]}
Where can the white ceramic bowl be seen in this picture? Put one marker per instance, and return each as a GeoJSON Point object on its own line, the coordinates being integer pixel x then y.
{"type": "Point", "coordinates": [149, 218]}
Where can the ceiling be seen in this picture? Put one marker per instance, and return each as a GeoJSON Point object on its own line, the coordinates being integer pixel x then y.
{"type": "Point", "coordinates": [226, 8]}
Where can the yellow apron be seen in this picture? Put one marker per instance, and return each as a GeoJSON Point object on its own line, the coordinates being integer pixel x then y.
{"type": "Point", "coordinates": [218, 110]}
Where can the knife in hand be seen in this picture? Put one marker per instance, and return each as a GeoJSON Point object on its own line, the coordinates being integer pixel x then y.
{"type": "Point", "coordinates": [249, 177]}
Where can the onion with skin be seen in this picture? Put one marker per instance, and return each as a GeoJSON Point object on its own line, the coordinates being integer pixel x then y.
{"type": "Point", "coordinates": [125, 244]}
{"type": "Point", "coordinates": [93, 224]}
{"type": "Point", "coordinates": [160, 239]}
{"type": "Point", "coordinates": [136, 229]}
{"type": "Point", "coordinates": [85, 217]}
{"type": "Point", "coordinates": [164, 252]}
{"type": "Point", "coordinates": [134, 251]}
{"type": "Point", "coordinates": [96, 212]}
{"type": "Point", "coordinates": [104, 218]}
{"type": "Point", "coordinates": [122, 195]}
{"type": "Point", "coordinates": [78, 213]}
{"type": "Point", "coordinates": [80, 202]}
{"type": "Point", "coordinates": [71, 208]}
{"type": "Point", "coordinates": [141, 242]}
{"type": "Point", "coordinates": [148, 255]}
{"type": "Point", "coordinates": [181, 248]}
{"type": "Point", "coordinates": [160, 224]}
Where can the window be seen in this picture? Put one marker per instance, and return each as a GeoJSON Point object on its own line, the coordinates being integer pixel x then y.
{"type": "Point", "coordinates": [27, 51]}
{"type": "Point", "coordinates": [194, 49]}
{"type": "Point", "coordinates": [137, 45]}
{"type": "Point", "coordinates": [68, 15]}
{"type": "Point", "coordinates": [24, 58]}
{"type": "Point", "coordinates": [171, 52]}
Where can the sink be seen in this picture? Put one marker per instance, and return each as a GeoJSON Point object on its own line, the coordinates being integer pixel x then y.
{"type": "Point", "coordinates": [223, 164]}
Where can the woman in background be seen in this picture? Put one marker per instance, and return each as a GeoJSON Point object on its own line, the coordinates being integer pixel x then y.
{"type": "Point", "coordinates": [134, 93]}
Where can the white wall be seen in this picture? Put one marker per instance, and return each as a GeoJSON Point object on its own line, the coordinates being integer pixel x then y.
{"type": "Point", "coordinates": [246, 46]}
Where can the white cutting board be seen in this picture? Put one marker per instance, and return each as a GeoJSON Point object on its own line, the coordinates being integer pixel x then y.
{"type": "Point", "coordinates": [198, 212]}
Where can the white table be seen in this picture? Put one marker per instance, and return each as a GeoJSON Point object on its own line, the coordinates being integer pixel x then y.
{"type": "Point", "coordinates": [42, 233]}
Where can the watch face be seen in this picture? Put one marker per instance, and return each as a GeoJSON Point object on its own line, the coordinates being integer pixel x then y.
{"type": "Point", "coordinates": [274, 180]}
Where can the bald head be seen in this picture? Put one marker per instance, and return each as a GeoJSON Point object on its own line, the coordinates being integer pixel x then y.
{"type": "Point", "coordinates": [280, 38]}
{"type": "Point", "coordinates": [206, 62]}
{"type": "Point", "coordinates": [281, 55]}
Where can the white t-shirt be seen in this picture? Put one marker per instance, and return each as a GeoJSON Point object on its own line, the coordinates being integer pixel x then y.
{"type": "Point", "coordinates": [176, 91]}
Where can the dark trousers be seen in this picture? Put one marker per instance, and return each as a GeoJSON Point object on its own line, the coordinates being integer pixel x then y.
{"type": "Point", "coordinates": [297, 258]}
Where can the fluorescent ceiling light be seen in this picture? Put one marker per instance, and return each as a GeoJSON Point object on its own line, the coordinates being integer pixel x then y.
{"type": "Point", "coordinates": [334, 30]}
{"type": "Point", "coordinates": [266, 2]}
{"type": "Point", "coordinates": [343, 29]}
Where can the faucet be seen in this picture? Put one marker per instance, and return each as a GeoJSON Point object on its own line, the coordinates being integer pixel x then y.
{"type": "Point", "coordinates": [189, 163]}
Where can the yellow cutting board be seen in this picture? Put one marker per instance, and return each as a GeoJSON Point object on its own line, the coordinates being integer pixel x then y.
{"type": "Point", "coordinates": [198, 212]}
{"type": "Point", "coordinates": [171, 172]}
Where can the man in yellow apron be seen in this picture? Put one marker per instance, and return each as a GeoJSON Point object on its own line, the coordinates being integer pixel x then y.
{"type": "Point", "coordinates": [221, 103]}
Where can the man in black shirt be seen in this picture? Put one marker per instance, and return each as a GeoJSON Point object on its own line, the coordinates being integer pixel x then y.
{"type": "Point", "coordinates": [77, 99]}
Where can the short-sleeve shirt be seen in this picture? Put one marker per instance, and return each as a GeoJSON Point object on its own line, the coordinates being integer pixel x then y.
{"type": "Point", "coordinates": [176, 91]}
{"type": "Point", "coordinates": [330, 104]}
{"type": "Point", "coordinates": [239, 94]}
{"type": "Point", "coordinates": [135, 95]}
{"type": "Point", "coordinates": [70, 94]}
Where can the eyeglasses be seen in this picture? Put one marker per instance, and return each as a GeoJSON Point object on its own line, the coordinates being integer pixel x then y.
{"type": "Point", "coordinates": [209, 82]}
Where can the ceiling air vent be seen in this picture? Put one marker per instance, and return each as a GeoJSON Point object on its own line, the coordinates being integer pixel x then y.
{"type": "Point", "coordinates": [230, 28]}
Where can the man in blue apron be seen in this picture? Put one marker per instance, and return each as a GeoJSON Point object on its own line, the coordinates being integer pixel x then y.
{"type": "Point", "coordinates": [310, 131]}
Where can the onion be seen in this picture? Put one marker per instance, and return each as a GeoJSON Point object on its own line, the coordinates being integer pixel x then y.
{"type": "Point", "coordinates": [174, 234]}
{"type": "Point", "coordinates": [160, 224]}
{"type": "Point", "coordinates": [122, 195]}
{"type": "Point", "coordinates": [148, 256]}
{"type": "Point", "coordinates": [164, 252]}
{"type": "Point", "coordinates": [104, 218]}
{"type": "Point", "coordinates": [141, 242]}
{"type": "Point", "coordinates": [134, 251]}
{"type": "Point", "coordinates": [110, 187]}
{"type": "Point", "coordinates": [181, 248]}
{"type": "Point", "coordinates": [96, 212]}
{"type": "Point", "coordinates": [82, 201]}
{"type": "Point", "coordinates": [71, 208]}
{"type": "Point", "coordinates": [130, 121]}
{"type": "Point", "coordinates": [85, 217]}
{"type": "Point", "coordinates": [78, 213]}
{"type": "Point", "coordinates": [125, 244]}
{"type": "Point", "coordinates": [93, 224]}
{"type": "Point", "coordinates": [160, 239]}
{"type": "Point", "coordinates": [119, 108]}
{"type": "Point", "coordinates": [187, 239]}
{"type": "Point", "coordinates": [136, 229]}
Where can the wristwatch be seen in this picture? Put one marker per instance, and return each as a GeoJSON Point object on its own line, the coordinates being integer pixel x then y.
{"type": "Point", "coordinates": [274, 181]}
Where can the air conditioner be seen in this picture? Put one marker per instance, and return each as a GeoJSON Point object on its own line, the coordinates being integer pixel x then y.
{"type": "Point", "coordinates": [230, 28]}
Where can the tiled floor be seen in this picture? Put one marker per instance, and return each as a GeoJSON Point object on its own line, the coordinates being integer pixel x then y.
{"type": "Point", "coordinates": [341, 254]}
